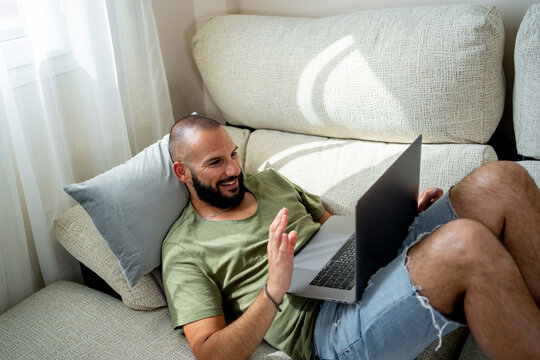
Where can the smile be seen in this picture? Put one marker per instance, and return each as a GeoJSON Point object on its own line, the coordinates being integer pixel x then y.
{"type": "Point", "coordinates": [228, 184]}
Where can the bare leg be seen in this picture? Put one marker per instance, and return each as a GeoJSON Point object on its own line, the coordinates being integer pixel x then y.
{"type": "Point", "coordinates": [503, 197]}
{"type": "Point", "coordinates": [464, 262]}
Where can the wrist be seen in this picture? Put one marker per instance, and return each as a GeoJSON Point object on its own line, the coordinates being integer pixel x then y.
{"type": "Point", "coordinates": [275, 291]}
{"type": "Point", "coordinates": [277, 301]}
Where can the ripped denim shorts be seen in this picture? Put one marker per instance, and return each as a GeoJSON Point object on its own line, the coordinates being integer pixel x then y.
{"type": "Point", "coordinates": [393, 320]}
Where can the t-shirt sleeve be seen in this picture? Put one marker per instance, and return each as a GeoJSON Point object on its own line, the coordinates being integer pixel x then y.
{"type": "Point", "coordinates": [191, 294]}
{"type": "Point", "coordinates": [311, 202]}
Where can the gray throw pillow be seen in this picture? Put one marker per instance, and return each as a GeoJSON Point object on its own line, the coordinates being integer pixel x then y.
{"type": "Point", "coordinates": [133, 206]}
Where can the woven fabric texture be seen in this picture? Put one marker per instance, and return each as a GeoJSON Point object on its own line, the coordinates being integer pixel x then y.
{"type": "Point", "coordinates": [471, 350]}
{"type": "Point", "coordinates": [533, 167]}
{"type": "Point", "coordinates": [76, 232]}
{"type": "Point", "coordinates": [67, 320]}
{"type": "Point", "coordinates": [383, 75]}
{"type": "Point", "coordinates": [70, 321]}
{"type": "Point", "coordinates": [526, 103]}
{"type": "Point", "coordinates": [341, 170]}
{"type": "Point", "coordinates": [240, 137]}
{"type": "Point", "coordinates": [450, 348]}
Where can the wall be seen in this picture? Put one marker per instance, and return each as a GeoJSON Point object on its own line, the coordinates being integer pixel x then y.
{"type": "Point", "coordinates": [178, 21]}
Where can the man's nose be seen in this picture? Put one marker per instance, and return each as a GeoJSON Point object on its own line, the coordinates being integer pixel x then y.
{"type": "Point", "coordinates": [233, 169]}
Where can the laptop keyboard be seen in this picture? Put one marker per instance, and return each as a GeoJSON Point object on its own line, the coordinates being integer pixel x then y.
{"type": "Point", "coordinates": [339, 272]}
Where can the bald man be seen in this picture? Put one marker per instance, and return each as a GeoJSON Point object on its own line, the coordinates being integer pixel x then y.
{"type": "Point", "coordinates": [470, 258]}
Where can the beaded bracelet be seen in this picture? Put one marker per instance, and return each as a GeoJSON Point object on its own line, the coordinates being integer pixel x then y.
{"type": "Point", "coordinates": [272, 300]}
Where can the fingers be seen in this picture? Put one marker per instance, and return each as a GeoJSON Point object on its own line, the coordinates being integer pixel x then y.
{"type": "Point", "coordinates": [280, 221]}
{"type": "Point", "coordinates": [293, 237]}
{"type": "Point", "coordinates": [280, 243]}
{"type": "Point", "coordinates": [283, 220]}
{"type": "Point", "coordinates": [280, 254]}
{"type": "Point", "coordinates": [438, 193]}
{"type": "Point", "coordinates": [288, 241]}
{"type": "Point", "coordinates": [276, 229]}
{"type": "Point", "coordinates": [433, 194]}
{"type": "Point", "coordinates": [428, 198]}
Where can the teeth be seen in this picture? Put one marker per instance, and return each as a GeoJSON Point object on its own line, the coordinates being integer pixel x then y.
{"type": "Point", "coordinates": [228, 183]}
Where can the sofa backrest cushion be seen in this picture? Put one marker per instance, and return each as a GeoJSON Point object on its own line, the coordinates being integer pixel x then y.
{"type": "Point", "coordinates": [527, 84]}
{"type": "Point", "coordinates": [382, 75]}
{"type": "Point", "coordinates": [341, 170]}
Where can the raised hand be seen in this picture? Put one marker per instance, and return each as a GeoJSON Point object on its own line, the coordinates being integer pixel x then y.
{"type": "Point", "coordinates": [280, 256]}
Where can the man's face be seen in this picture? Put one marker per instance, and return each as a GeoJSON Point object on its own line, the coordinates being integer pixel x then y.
{"type": "Point", "coordinates": [213, 196]}
{"type": "Point", "coordinates": [216, 171]}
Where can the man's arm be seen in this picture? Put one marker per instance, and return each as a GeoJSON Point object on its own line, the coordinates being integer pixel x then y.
{"type": "Point", "coordinates": [325, 216]}
{"type": "Point", "coordinates": [212, 338]}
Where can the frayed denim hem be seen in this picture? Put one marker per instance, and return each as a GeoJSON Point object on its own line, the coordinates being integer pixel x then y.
{"type": "Point", "coordinates": [424, 301]}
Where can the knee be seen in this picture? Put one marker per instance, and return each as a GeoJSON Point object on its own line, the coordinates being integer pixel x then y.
{"type": "Point", "coordinates": [467, 246]}
{"type": "Point", "coordinates": [459, 256]}
{"type": "Point", "coordinates": [500, 174]}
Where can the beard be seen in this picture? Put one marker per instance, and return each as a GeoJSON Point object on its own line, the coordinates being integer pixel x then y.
{"type": "Point", "coordinates": [214, 197]}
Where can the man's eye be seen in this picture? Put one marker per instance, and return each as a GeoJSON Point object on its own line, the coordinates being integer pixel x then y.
{"type": "Point", "coordinates": [234, 154]}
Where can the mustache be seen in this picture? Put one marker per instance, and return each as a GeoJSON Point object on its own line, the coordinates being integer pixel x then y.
{"type": "Point", "coordinates": [229, 179]}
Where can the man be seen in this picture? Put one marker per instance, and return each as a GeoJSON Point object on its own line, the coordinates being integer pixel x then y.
{"type": "Point", "coordinates": [475, 251]}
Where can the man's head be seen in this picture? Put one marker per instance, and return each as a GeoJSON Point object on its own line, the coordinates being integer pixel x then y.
{"type": "Point", "coordinates": [206, 159]}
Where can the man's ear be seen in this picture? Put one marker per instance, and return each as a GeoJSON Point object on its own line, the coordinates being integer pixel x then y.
{"type": "Point", "coordinates": [182, 172]}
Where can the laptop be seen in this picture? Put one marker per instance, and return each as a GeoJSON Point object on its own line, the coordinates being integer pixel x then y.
{"type": "Point", "coordinates": [346, 251]}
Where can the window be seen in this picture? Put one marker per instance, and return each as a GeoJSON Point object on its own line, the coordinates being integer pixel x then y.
{"type": "Point", "coordinates": [26, 48]}
{"type": "Point", "coordinates": [11, 21]}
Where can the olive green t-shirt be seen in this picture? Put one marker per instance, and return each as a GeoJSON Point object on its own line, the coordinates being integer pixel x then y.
{"type": "Point", "coordinates": [213, 268]}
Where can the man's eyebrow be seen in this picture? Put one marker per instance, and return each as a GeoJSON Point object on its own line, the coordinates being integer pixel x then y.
{"type": "Point", "coordinates": [211, 160]}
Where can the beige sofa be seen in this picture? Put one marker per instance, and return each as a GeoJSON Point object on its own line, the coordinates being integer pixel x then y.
{"type": "Point", "coordinates": [329, 103]}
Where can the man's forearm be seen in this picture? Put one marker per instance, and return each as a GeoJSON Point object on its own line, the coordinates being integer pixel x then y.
{"type": "Point", "coordinates": [212, 339]}
{"type": "Point", "coordinates": [239, 339]}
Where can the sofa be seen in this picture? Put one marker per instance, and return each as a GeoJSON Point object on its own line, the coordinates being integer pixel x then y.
{"type": "Point", "coordinates": [329, 103]}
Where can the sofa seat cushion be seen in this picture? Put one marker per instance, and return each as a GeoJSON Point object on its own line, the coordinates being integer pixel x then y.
{"type": "Point", "coordinates": [341, 170]}
{"type": "Point", "coordinates": [67, 320]}
{"type": "Point", "coordinates": [471, 350]}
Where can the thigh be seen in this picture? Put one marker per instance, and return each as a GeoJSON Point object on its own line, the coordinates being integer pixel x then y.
{"type": "Point", "coordinates": [392, 321]}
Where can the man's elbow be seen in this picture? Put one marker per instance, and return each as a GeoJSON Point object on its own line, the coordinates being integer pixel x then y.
{"type": "Point", "coordinates": [325, 216]}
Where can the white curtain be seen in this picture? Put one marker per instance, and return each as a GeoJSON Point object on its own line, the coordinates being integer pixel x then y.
{"type": "Point", "coordinates": [82, 89]}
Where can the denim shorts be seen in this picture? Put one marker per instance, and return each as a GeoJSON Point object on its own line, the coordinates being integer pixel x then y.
{"type": "Point", "coordinates": [393, 320]}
